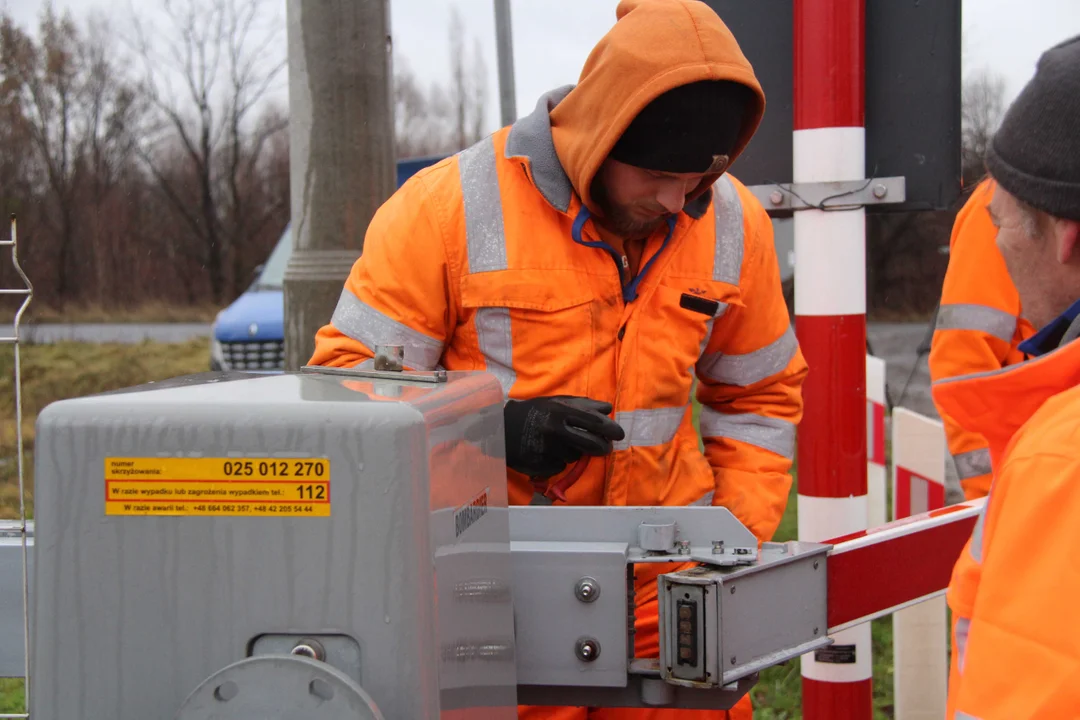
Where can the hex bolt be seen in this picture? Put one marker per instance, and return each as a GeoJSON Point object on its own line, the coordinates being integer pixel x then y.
{"type": "Point", "coordinates": [880, 191]}
{"type": "Point", "coordinates": [321, 689]}
{"type": "Point", "coordinates": [815, 564]}
{"type": "Point", "coordinates": [684, 547]}
{"type": "Point", "coordinates": [732, 659]}
{"type": "Point", "coordinates": [718, 547]}
{"type": "Point", "coordinates": [226, 691]}
{"type": "Point", "coordinates": [776, 197]}
{"type": "Point", "coordinates": [587, 649]}
{"type": "Point", "coordinates": [732, 589]}
{"type": "Point", "coordinates": [587, 590]}
{"type": "Point", "coordinates": [815, 631]}
{"type": "Point", "coordinates": [309, 648]}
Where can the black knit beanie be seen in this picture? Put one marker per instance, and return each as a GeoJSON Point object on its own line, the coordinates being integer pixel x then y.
{"type": "Point", "coordinates": [692, 128]}
{"type": "Point", "coordinates": [1035, 154]}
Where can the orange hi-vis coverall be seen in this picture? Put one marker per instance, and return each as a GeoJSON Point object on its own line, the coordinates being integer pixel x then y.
{"type": "Point", "coordinates": [490, 260]}
{"type": "Point", "coordinates": [979, 328]}
{"type": "Point", "coordinates": [1016, 647]}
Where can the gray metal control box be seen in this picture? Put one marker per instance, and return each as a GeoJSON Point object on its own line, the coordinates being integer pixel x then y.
{"type": "Point", "coordinates": [187, 526]}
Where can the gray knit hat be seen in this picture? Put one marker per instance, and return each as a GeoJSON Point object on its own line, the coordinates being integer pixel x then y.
{"type": "Point", "coordinates": [1035, 154]}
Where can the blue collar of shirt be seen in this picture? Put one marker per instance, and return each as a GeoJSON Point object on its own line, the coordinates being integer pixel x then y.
{"type": "Point", "coordinates": [1049, 337]}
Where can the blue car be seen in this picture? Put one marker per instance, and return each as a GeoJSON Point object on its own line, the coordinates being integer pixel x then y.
{"type": "Point", "coordinates": [250, 333]}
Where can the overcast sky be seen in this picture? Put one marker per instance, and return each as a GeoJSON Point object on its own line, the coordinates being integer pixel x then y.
{"type": "Point", "coordinates": [553, 37]}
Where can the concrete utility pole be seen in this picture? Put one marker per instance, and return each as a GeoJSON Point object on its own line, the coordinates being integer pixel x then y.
{"type": "Point", "coordinates": [341, 152]}
{"type": "Point", "coordinates": [504, 43]}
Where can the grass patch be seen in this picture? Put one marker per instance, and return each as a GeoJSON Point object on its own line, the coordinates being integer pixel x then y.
{"type": "Point", "coordinates": [12, 696]}
{"type": "Point", "coordinates": [150, 312]}
{"type": "Point", "coordinates": [64, 370]}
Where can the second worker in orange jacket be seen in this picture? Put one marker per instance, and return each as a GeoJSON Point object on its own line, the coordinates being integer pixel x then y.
{"type": "Point", "coordinates": [597, 259]}
{"type": "Point", "coordinates": [979, 328]}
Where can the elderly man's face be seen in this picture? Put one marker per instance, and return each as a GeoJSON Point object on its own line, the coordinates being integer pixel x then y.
{"type": "Point", "coordinates": [1040, 256]}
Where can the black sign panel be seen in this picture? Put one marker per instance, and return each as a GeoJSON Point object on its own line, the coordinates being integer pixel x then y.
{"type": "Point", "coordinates": [913, 84]}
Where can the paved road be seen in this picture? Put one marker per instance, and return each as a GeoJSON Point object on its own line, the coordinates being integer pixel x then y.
{"type": "Point", "coordinates": [109, 332]}
{"type": "Point", "coordinates": [898, 345]}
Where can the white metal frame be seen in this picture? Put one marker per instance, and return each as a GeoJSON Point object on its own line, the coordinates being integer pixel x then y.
{"type": "Point", "coordinates": [27, 293]}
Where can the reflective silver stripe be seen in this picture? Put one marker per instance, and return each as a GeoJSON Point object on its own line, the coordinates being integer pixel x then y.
{"type": "Point", "coordinates": [977, 535]}
{"type": "Point", "coordinates": [366, 325]}
{"type": "Point", "coordinates": [493, 336]}
{"type": "Point", "coordinates": [645, 428]}
{"type": "Point", "coordinates": [961, 715]}
{"type": "Point", "coordinates": [770, 434]}
{"type": "Point", "coordinates": [983, 318]}
{"type": "Point", "coordinates": [972, 464]}
{"type": "Point", "coordinates": [751, 367]}
{"type": "Point", "coordinates": [705, 500]}
{"type": "Point", "coordinates": [961, 628]}
{"type": "Point", "coordinates": [485, 236]}
{"type": "Point", "coordinates": [727, 261]}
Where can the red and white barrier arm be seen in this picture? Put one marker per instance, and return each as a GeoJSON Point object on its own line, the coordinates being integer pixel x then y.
{"type": "Point", "coordinates": [871, 573]}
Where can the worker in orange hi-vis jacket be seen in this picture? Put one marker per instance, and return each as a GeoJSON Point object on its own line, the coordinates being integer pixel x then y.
{"type": "Point", "coordinates": [979, 328]}
{"type": "Point", "coordinates": [597, 259]}
{"type": "Point", "coordinates": [1016, 644]}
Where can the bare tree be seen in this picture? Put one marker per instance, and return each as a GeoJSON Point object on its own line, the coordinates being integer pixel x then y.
{"type": "Point", "coordinates": [47, 80]}
{"type": "Point", "coordinates": [478, 91]}
{"type": "Point", "coordinates": [111, 112]}
{"type": "Point", "coordinates": [468, 85]}
{"type": "Point", "coordinates": [226, 61]}
{"type": "Point", "coordinates": [435, 119]}
{"type": "Point", "coordinates": [76, 112]}
{"type": "Point", "coordinates": [983, 104]}
{"type": "Point", "coordinates": [458, 79]}
{"type": "Point", "coordinates": [420, 125]}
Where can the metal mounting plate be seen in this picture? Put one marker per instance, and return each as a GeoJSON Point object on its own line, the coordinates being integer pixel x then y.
{"type": "Point", "coordinates": [278, 687]}
{"type": "Point", "coordinates": [551, 618]}
{"type": "Point", "coordinates": [832, 195]}
{"type": "Point", "coordinates": [342, 651]}
{"type": "Point", "coordinates": [424, 376]}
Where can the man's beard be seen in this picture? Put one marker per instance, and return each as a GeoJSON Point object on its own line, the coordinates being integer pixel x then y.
{"type": "Point", "coordinates": [618, 220]}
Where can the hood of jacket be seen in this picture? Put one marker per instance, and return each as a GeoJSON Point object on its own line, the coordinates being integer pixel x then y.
{"type": "Point", "coordinates": [654, 46]}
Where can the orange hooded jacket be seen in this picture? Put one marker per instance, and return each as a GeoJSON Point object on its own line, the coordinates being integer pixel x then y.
{"type": "Point", "coordinates": [489, 260]}
{"type": "Point", "coordinates": [1016, 650]}
{"type": "Point", "coordinates": [979, 328]}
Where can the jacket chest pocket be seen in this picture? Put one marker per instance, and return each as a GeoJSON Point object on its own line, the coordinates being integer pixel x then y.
{"type": "Point", "coordinates": [677, 324]}
{"type": "Point", "coordinates": [535, 330]}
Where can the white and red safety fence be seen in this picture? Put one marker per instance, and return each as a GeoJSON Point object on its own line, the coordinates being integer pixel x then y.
{"type": "Point", "coordinates": [920, 636]}
{"type": "Point", "coordinates": [877, 485]}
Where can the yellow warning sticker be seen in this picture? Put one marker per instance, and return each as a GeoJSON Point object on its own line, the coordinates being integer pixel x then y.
{"type": "Point", "coordinates": [272, 487]}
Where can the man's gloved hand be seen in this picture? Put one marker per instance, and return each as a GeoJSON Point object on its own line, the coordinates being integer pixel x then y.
{"type": "Point", "coordinates": [544, 435]}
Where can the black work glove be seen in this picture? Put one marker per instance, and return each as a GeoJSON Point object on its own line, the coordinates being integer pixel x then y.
{"type": "Point", "coordinates": [544, 435]}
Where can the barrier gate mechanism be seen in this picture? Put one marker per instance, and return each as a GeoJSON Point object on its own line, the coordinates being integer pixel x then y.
{"type": "Point", "coordinates": [337, 543]}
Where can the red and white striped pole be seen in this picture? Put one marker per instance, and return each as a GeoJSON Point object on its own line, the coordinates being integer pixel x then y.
{"type": "Point", "coordinates": [830, 322]}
